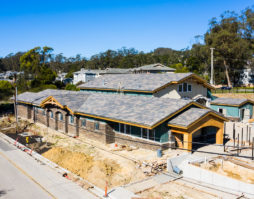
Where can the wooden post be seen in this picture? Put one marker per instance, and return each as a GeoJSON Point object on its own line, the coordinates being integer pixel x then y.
{"type": "Point", "coordinates": [252, 148]}
{"type": "Point", "coordinates": [247, 133]}
{"type": "Point", "coordinates": [224, 142]}
{"type": "Point", "coordinates": [234, 133]}
{"type": "Point", "coordinates": [242, 138]}
{"type": "Point", "coordinates": [238, 144]}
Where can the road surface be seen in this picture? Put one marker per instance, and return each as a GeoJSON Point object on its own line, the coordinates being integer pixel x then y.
{"type": "Point", "coordinates": [21, 176]}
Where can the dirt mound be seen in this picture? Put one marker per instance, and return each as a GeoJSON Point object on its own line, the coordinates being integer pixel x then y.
{"type": "Point", "coordinates": [85, 166]}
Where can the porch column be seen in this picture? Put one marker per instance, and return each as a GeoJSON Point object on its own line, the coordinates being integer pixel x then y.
{"type": "Point", "coordinates": [219, 135]}
{"type": "Point", "coordinates": [66, 123]}
{"type": "Point", "coordinates": [187, 139]}
{"type": "Point", "coordinates": [77, 119]}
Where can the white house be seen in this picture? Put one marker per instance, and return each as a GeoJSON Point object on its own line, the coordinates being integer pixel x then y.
{"type": "Point", "coordinates": [85, 75]}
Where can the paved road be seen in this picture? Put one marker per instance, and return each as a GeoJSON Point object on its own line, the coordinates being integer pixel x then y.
{"type": "Point", "coordinates": [15, 184]}
{"type": "Point", "coordinates": [21, 176]}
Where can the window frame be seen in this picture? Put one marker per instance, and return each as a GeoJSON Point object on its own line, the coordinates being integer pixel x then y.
{"type": "Point", "coordinates": [97, 125]}
{"type": "Point", "coordinates": [51, 114]}
{"type": "Point", "coordinates": [71, 119]}
{"type": "Point", "coordinates": [83, 122]}
{"type": "Point", "coordinates": [60, 116]}
{"type": "Point", "coordinates": [180, 86]}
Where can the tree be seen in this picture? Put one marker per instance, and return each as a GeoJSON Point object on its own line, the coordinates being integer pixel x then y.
{"type": "Point", "coordinates": [47, 75]}
{"type": "Point", "coordinates": [6, 90]}
{"type": "Point", "coordinates": [45, 54]}
{"type": "Point", "coordinates": [232, 50]}
{"type": "Point", "coordinates": [30, 61]}
{"type": "Point", "coordinates": [180, 68]}
{"type": "Point", "coordinates": [71, 87]}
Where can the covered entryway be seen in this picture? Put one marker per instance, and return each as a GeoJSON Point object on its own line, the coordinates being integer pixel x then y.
{"type": "Point", "coordinates": [204, 136]}
{"type": "Point", "coordinates": [197, 125]}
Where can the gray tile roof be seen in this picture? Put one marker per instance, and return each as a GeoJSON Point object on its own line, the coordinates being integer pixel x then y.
{"type": "Point", "coordinates": [155, 67]}
{"type": "Point", "coordinates": [145, 111]}
{"type": "Point", "coordinates": [93, 71]}
{"type": "Point", "coordinates": [229, 101]}
{"type": "Point", "coordinates": [188, 117]}
{"type": "Point", "coordinates": [135, 109]}
{"type": "Point", "coordinates": [142, 82]}
{"type": "Point", "coordinates": [116, 71]}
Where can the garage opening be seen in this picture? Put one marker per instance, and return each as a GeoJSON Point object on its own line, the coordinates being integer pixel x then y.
{"type": "Point", "coordinates": [204, 136]}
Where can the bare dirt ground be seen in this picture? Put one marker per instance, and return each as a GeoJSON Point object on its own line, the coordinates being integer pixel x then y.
{"type": "Point", "coordinates": [91, 160]}
{"type": "Point", "coordinates": [176, 190]}
{"type": "Point", "coordinates": [236, 95]}
{"type": "Point", "coordinates": [231, 169]}
{"type": "Point", "coordinates": [98, 163]}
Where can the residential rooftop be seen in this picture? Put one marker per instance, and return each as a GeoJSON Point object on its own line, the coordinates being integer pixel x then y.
{"type": "Point", "coordinates": [154, 67]}
{"type": "Point", "coordinates": [131, 109]}
{"type": "Point", "coordinates": [188, 117]}
{"type": "Point", "coordinates": [230, 101]}
{"type": "Point", "coordinates": [138, 82]}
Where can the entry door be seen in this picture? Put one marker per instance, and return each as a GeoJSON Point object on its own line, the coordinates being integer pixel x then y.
{"type": "Point", "coordinates": [244, 114]}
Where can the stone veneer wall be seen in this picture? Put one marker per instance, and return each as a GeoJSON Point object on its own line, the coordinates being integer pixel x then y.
{"type": "Point", "coordinates": [104, 134]}
{"type": "Point", "coordinates": [140, 142]}
{"type": "Point", "coordinates": [25, 111]}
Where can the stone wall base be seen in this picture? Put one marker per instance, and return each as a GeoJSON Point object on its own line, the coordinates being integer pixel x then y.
{"type": "Point", "coordinates": [141, 143]}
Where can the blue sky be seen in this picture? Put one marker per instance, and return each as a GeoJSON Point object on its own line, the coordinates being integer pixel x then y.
{"type": "Point", "coordinates": [90, 27]}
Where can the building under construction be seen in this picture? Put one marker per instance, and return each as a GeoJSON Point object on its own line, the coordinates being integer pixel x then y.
{"type": "Point", "coordinates": [146, 122]}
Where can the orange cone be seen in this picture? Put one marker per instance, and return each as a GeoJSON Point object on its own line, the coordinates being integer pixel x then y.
{"type": "Point", "coordinates": [106, 189]}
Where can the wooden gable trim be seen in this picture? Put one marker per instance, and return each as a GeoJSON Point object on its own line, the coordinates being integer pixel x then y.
{"type": "Point", "coordinates": [51, 100]}
{"type": "Point", "coordinates": [198, 120]}
{"type": "Point", "coordinates": [184, 79]}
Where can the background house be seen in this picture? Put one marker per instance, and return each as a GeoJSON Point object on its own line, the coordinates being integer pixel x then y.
{"type": "Point", "coordinates": [88, 75]}
{"type": "Point", "coordinates": [153, 68]}
{"type": "Point", "coordinates": [235, 109]}
{"type": "Point", "coordinates": [162, 85]}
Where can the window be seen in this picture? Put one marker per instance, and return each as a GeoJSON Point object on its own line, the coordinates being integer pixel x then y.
{"type": "Point", "coordinates": [44, 112]}
{"type": "Point", "coordinates": [152, 135]}
{"type": "Point", "coordinates": [97, 125]}
{"type": "Point", "coordinates": [121, 127]}
{"type": "Point", "coordinates": [180, 88]}
{"type": "Point", "coordinates": [83, 122]}
{"type": "Point", "coordinates": [71, 119]}
{"type": "Point", "coordinates": [222, 111]}
{"type": "Point", "coordinates": [184, 87]}
{"type": "Point", "coordinates": [60, 116]}
{"type": "Point", "coordinates": [144, 133]}
{"type": "Point", "coordinates": [51, 114]}
{"type": "Point", "coordinates": [127, 129]}
{"type": "Point", "coordinates": [36, 110]}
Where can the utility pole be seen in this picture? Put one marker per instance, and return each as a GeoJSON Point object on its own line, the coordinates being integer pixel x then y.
{"type": "Point", "coordinates": [15, 101]}
{"type": "Point", "coordinates": [212, 75]}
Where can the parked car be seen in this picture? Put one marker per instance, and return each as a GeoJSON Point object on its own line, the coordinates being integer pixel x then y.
{"type": "Point", "coordinates": [225, 88]}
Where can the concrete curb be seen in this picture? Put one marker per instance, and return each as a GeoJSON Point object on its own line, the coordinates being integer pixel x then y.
{"type": "Point", "coordinates": [95, 190]}
{"type": "Point", "coordinates": [34, 154]}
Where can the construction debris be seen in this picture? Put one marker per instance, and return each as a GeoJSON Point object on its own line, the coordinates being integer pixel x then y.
{"type": "Point", "coordinates": [152, 168]}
